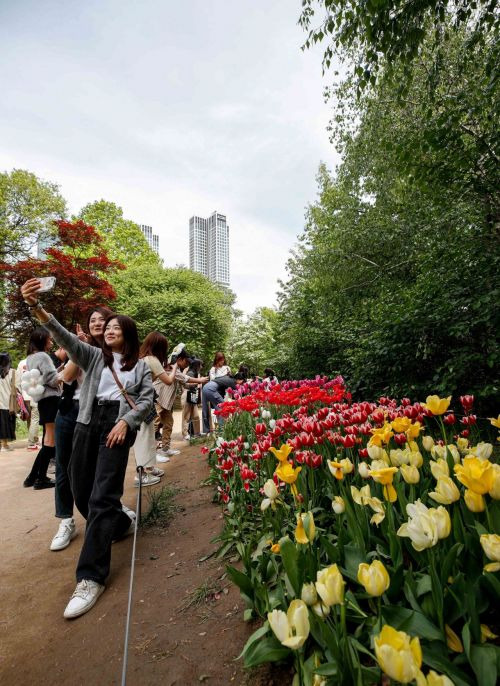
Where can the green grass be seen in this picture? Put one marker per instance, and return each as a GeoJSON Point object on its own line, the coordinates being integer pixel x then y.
{"type": "Point", "coordinates": [160, 507]}
{"type": "Point", "coordinates": [202, 594]}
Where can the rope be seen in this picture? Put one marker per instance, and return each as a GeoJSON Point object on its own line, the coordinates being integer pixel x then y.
{"type": "Point", "coordinates": [140, 470]}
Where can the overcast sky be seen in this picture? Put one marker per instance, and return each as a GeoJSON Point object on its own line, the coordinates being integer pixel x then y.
{"type": "Point", "coordinates": [171, 109]}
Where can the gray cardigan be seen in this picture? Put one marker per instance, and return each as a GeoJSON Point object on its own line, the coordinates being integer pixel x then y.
{"type": "Point", "coordinates": [50, 379]}
{"type": "Point", "coordinates": [90, 359]}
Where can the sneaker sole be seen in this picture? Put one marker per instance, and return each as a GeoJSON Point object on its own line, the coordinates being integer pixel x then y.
{"type": "Point", "coordinates": [84, 610]}
{"type": "Point", "coordinates": [62, 547]}
{"type": "Point", "coordinates": [150, 483]}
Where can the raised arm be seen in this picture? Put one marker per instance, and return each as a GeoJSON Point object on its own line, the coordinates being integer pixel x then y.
{"type": "Point", "coordinates": [79, 352]}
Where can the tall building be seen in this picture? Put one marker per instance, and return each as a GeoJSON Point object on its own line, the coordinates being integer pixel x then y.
{"type": "Point", "coordinates": [209, 247]}
{"type": "Point", "coordinates": [152, 238]}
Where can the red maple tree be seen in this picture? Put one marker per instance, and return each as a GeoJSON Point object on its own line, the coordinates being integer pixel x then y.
{"type": "Point", "coordinates": [80, 265]}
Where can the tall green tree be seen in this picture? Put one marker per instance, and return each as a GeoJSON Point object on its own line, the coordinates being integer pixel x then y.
{"type": "Point", "coordinates": [253, 341]}
{"type": "Point", "coordinates": [123, 239]}
{"type": "Point", "coordinates": [28, 208]}
{"type": "Point", "coordinates": [182, 304]}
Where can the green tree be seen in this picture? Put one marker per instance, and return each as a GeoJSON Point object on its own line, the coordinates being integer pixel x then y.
{"type": "Point", "coordinates": [253, 341]}
{"type": "Point", "coordinates": [123, 239]}
{"type": "Point", "coordinates": [180, 303]}
{"type": "Point", "coordinates": [28, 208]}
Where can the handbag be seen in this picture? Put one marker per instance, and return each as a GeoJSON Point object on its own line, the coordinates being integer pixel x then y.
{"type": "Point", "coordinates": [13, 404]}
{"type": "Point", "coordinates": [151, 414]}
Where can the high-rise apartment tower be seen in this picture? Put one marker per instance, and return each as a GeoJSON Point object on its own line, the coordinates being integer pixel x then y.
{"type": "Point", "coordinates": [152, 238]}
{"type": "Point", "coordinates": [209, 247]}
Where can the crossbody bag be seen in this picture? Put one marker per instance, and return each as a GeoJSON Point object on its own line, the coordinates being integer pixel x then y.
{"type": "Point", "coordinates": [152, 413]}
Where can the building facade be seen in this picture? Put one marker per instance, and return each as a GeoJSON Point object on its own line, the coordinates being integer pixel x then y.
{"type": "Point", "coordinates": [209, 247]}
{"type": "Point", "coordinates": [152, 238]}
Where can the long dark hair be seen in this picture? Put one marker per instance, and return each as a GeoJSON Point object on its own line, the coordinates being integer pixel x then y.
{"type": "Point", "coordinates": [4, 365]}
{"type": "Point", "coordinates": [38, 340]}
{"type": "Point", "coordinates": [106, 312]}
{"type": "Point", "coordinates": [130, 350]}
{"type": "Point", "coordinates": [218, 357]}
{"type": "Point", "coordinates": [155, 344]}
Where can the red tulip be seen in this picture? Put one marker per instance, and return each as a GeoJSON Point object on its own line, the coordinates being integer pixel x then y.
{"type": "Point", "coordinates": [467, 402]}
{"type": "Point", "coordinates": [400, 439]}
{"type": "Point", "coordinates": [449, 419]}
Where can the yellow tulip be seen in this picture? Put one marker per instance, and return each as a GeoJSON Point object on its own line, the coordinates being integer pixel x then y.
{"type": "Point", "coordinates": [336, 469]}
{"type": "Point", "coordinates": [381, 435]}
{"type": "Point", "coordinates": [416, 459]}
{"type": "Point", "coordinates": [292, 628]}
{"type": "Point", "coordinates": [319, 680]}
{"type": "Point", "coordinates": [275, 548]}
{"type": "Point", "coordinates": [338, 504]}
{"type": "Point", "coordinates": [378, 507]}
{"type": "Point", "coordinates": [436, 405]}
{"type": "Point", "coordinates": [452, 640]}
{"type": "Point", "coordinates": [306, 529]}
{"type": "Point", "coordinates": [363, 470]}
{"type": "Point", "coordinates": [375, 452]}
{"type": "Point", "coordinates": [462, 445]}
{"type": "Point", "coordinates": [491, 546]}
{"type": "Point", "coordinates": [495, 486]}
{"type": "Point", "coordinates": [428, 442]}
{"type": "Point", "coordinates": [475, 474]}
{"type": "Point", "coordinates": [401, 424]}
{"type": "Point", "coordinates": [474, 501]}
{"type": "Point", "coordinates": [286, 472]}
{"type": "Point", "coordinates": [283, 453]}
{"type": "Point", "coordinates": [487, 633]}
{"type": "Point", "coordinates": [439, 468]}
{"type": "Point", "coordinates": [446, 491]}
{"type": "Point", "coordinates": [359, 495]}
{"type": "Point", "coordinates": [410, 474]}
{"type": "Point", "coordinates": [330, 585]}
{"type": "Point", "coordinates": [482, 450]}
{"type": "Point", "coordinates": [321, 610]}
{"type": "Point", "coordinates": [442, 520]}
{"type": "Point", "coordinates": [308, 594]}
{"type": "Point", "coordinates": [398, 457]}
{"type": "Point", "coordinates": [495, 422]}
{"type": "Point", "coordinates": [385, 477]}
{"type": "Point", "coordinates": [435, 679]}
{"type": "Point", "coordinates": [421, 527]}
{"type": "Point", "coordinates": [414, 430]}
{"type": "Point", "coordinates": [398, 655]}
{"type": "Point", "coordinates": [347, 465]}
{"type": "Point", "coordinates": [374, 578]}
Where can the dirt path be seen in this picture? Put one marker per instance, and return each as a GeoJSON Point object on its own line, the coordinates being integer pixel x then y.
{"type": "Point", "coordinates": [169, 645]}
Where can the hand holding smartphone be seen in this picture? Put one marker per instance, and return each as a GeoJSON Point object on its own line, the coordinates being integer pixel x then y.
{"type": "Point", "coordinates": [47, 283]}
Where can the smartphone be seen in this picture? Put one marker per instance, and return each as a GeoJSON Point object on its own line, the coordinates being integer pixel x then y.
{"type": "Point", "coordinates": [48, 283]}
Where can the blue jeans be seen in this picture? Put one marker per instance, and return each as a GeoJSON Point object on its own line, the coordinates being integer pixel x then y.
{"type": "Point", "coordinates": [65, 428]}
{"type": "Point", "coordinates": [210, 397]}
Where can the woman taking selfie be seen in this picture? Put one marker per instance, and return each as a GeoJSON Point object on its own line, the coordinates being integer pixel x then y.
{"type": "Point", "coordinates": [116, 395]}
{"type": "Point", "coordinates": [38, 358]}
{"type": "Point", "coordinates": [69, 406]}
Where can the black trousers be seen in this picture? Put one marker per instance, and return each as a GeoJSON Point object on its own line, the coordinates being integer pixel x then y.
{"type": "Point", "coordinates": [97, 474]}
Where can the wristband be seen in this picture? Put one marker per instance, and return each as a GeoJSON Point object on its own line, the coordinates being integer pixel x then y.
{"type": "Point", "coordinates": [36, 306]}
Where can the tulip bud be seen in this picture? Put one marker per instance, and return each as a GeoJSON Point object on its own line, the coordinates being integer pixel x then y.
{"type": "Point", "coordinates": [442, 521]}
{"type": "Point", "coordinates": [330, 585]}
{"type": "Point", "coordinates": [449, 419]}
{"type": "Point", "coordinates": [427, 442]}
{"type": "Point", "coordinates": [439, 468]}
{"type": "Point", "coordinates": [338, 504]}
{"type": "Point", "coordinates": [410, 474]}
{"type": "Point", "coordinates": [452, 640]}
{"type": "Point", "coordinates": [308, 594]}
{"type": "Point", "coordinates": [446, 491]}
{"type": "Point", "coordinates": [491, 546]}
{"type": "Point", "coordinates": [398, 655]}
{"type": "Point", "coordinates": [374, 578]}
{"type": "Point", "coordinates": [321, 610]}
{"type": "Point", "coordinates": [363, 470]}
{"type": "Point", "coordinates": [482, 450]}
{"type": "Point", "coordinates": [375, 452]}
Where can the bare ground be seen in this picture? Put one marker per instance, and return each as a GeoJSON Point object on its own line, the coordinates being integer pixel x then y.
{"type": "Point", "coordinates": [173, 639]}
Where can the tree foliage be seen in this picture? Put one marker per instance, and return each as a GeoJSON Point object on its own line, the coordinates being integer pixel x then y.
{"type": "Point", "coordinates": [80, 280]}
{"type": "Point", "coordinates": [254, 341]}
{"type": "Point", "coordinates": [122, 239]}
{"type": "Point", "coordinates": [182, 304]}
{"type": "Point", "coordinates": [28, 208]}
{"type": "Point", "coordinates": [396, 284]}
{"type": "Point", "coordinates": [385, 36]}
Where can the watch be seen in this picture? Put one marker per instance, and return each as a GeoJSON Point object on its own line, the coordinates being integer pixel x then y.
{"type": "Point", "coordinates": [36, 306]}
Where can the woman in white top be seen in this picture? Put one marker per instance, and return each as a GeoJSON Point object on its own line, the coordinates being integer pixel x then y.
{"type": "Point", "coordinates": [7, 395]}
{"type": "Point", "coordinates": [219, 367]}
{"type": "Point", "coordinates": [154, 351]}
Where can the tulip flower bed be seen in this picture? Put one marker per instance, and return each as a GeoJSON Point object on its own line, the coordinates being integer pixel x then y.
{"type": "Point", "coordinates": [368, 534]}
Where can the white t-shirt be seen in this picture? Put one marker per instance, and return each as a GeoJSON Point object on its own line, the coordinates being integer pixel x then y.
{"type": "Point", "coordinates": [108, 389]}
{"type": "Point", "coordinates": [215, 372]}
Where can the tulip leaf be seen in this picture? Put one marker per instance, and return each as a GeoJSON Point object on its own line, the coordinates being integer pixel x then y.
{"type": "Point", "coordinates": [328, 669]}
{"type": "Point", "coordinates": [259, 633]}
{"type": "Point", "coordinates": [266, 650]}
{"type": "Point", "coordinates": [353, 558]}
{"type": "Point", "coordinates": [449, 561]}
{"type": "Point", "coordinates": [434, 656]}
{"type": "Point", "coordinates": [242, 581]}
{"type": "Point", "coordinates": [290, 556]}
{"type": "Point", "coordinates": [415, 623]}
{"type": "Point", "coordinates": [484, 660]}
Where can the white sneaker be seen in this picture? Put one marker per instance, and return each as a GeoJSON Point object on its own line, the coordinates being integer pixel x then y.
{"type": "Point", "coordinates": [65, 534]}
{"type": "Point", "coordinates": [156, 472]}
{"type": "Point", "coordinates": [172, 451]}
{"type": "Point", "coordinates": [83, 599]}
{"type": "Point", "coordinates": [131, 514]}
{"type": "Point", "coordinates": [147, 479]}
{"type": "Point", "coordinates": [187, 437]}
{"type": "Point", "coordinates": [161, 457]}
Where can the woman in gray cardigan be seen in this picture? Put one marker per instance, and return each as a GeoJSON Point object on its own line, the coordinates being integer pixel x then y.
{"type": "Point", "coordinates": [105, 430]}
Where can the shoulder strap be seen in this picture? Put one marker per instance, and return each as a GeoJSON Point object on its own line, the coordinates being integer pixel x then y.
{"type": "Point", "coordinates": [122, 390]}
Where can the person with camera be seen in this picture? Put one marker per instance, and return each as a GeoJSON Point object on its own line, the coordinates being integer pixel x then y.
{"type": "Point", "coordinates": [167, 394]}
{"type": "Point", "coordinates": [191, 398]}
{"type": "Point", "coordinates": [213, 395]}
{"type": "Point", "coordinates": [116, 395]}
